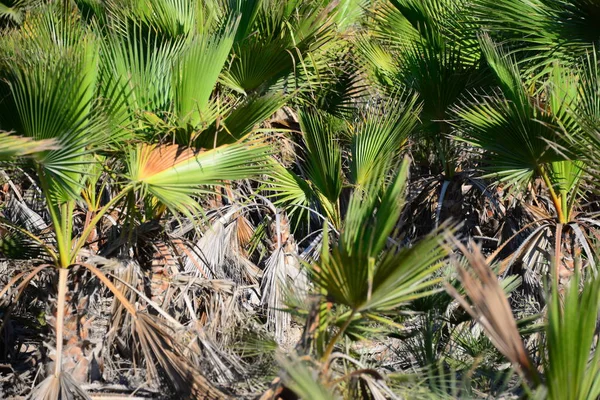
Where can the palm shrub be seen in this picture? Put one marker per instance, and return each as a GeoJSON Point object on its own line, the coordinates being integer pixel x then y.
{"type": "Point", "coordinates": [429, 47]}
{"type": "Point", "coordinates": [57, 100]}
{"type": "Point", "coordinates": [542, 32]}
{"type": "Point", "coordinates": [373, 137]}
{"type": "Point", "coordinates": [569, 368]}
{"type": "Point", "coordinates": [363, 276]}
{"type": "Point", "coordinates": [524, 132]}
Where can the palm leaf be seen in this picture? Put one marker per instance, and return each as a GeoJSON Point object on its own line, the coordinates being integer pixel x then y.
{"type": "Point", "coordinates": [12, 146]}
{"type": "Point", "coordinates": [323, 153]}
{"type": "Point", "coordinates": [278, 47]}
{"type": "Point", "coordinates": [52, 75]}
{"type": "Point", "coordinates": [242, 120]}
{"type": "Point", "coordinates": [546, 30]}
{"type": "Point", "coordinates": [572, 367]}
{"type": "Point", "coordinates": [173, 174]}
{"type": "Point", "coordinates": [378, 139]}
{"type": "Point", "coordinates": [489, 306]}
{"type": "Point", "coordinates": [356, 274]}
{"type": "Point", "coordinates": [513, 131]}
{"type": "Point", "coordinates": [204, 57]}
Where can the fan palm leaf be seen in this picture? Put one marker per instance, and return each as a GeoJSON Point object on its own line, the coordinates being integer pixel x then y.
{"type": "Point", "coordinates": [544, 30]}
{"type": "Point", "coordinates": [378, 138]}
{"type": "Point", "coordinates": [356, 274]}
{"type": "Point", "coordinates": [173, 174]}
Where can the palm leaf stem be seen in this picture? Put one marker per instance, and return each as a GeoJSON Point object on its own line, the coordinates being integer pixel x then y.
{"type": "Point", "coordinates": [110, 286]}
{"type": "Point", "coordinates": [62, 240]}
{"type": "Point", "coordinates": [92, 224]}
{"type": "Point", "coordinates": [557, 250]}
{"type": "Point", "coordinates": [334, 340]}
{"type": "Point", "coordinates": [556, 200]}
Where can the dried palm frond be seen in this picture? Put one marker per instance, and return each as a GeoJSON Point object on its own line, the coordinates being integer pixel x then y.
{"type": "Point", "coordinates": [157, 343]}
{"type": "Point", "coordinates": [489, 306]}
{"type": "Point", "coordinates": [154, 343]}
{"type": "Point", "coordinates": [61, 387]}
{"type": "Point", "coordinates": [282, 277]}
{"type": "Point", "coordinates": [224, 366]}
{"type": "Point", "coordinates": [220, 252]}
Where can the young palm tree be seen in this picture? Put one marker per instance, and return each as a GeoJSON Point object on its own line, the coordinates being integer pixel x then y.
{"type": "Point", "coordinates": [363, 278]}
{"type": "Point", "coordinates": [55, 80]}
{"type": "Point", "coordinates": [524, 136]}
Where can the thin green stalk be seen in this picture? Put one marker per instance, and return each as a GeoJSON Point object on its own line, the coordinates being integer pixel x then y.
{"type": "Point", "coordinates": [61, 241]}
{"type": "Point", "coordinates": [334, 340]}
{"type": "Point", "coordinates": [88, 230]}
{"type": "Point", "coordinates": [555, 199]}
{"type": "Point", "coordinates": [67, 209]}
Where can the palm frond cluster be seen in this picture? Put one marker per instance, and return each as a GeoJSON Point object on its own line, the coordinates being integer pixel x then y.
{"type": "Point", "coordinates": [316, 199]}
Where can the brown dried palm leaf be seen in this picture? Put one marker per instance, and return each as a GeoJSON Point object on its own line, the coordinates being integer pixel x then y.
{"type": "Point", "coordinates": [489, 306]}
{"type": "Point", "coordinates": [61, 387]}
{"type": "Point", "coordinates": [157, 344]}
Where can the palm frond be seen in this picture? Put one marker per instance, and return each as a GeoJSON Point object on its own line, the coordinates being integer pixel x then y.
{"type": "Point", "coordinates": [13, 146]}
{"type": "Point", "coordinates": [490, 308]}
{"type": "Point", "coordinates": [572, 367]}
{"type": "Point", "coordinates": [379, 137]}
{"type": "Point", "coordinates": [52, 93]}
{"type": "Point", "coordinates": [173, 174]}
{"type": "Point", "coordinates": [204, 57]}
{"type": "Point", "coordinates": [544, 30]}
{"type": "Point", "coordinates": [357, 275]}
{"type": "Point", "coordinates": [513, 131]}
{"type": "Point", "coordinates": [324, 156]}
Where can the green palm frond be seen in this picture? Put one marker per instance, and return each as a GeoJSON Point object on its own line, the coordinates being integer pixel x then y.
{"type": "Point", "coordinates": [164, 20]}
{"type": "Point", "coordinates": [242, 120]}
{"type": "Point", "coordinates": [357, 275]}
{"type": "Point", "coordinates": [344, 90]}
{"type": "Point", "coordinates": [379, 137]}
{"type": "Point", "coordinates": [323, 153]}
{"type": "Point", "coordinates": [51, 70]}
{"type": "Point", "coordinates": [195, 75]}
{"type": "Point", "coordinates": [546, 30]}
{"type": "Point", "coordinates": [583, 115]}
{"type": "Point", "coordinates": [292, 191]}
{"type": "Point", "coordinates": [349, 13]}
{"type": "Point", "coordinates": [139, 67]}
{"type": "Point", "coordinates": [514, 132]}
{"type": "Point", "coordinates": [434, 52]}
{"type": "Point", "coordinates": [572, 367]}
{"type": "Point", "coordinates": [173, 174]}
{"type": "Point", "coordinates": [12, 146]}
{"type": "Point", "coordinates": [278, 47]}
{"type": "Point", "coordinates": [11, 13]}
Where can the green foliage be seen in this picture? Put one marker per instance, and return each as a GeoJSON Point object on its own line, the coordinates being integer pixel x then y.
{"type": "Point", "coordinates": [572, 367]}
{"type": "Point", "coordinates": [154, 143]}
{"type": "Point", "coordinates": [357, 274]}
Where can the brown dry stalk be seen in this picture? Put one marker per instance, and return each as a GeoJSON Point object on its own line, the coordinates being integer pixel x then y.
{"type": "Point", "coordinates": [63, 274]}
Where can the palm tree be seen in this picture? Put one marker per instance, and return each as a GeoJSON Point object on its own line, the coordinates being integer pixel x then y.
{"type": "Point", "coordinates": [56, 84]}
{"type": "Point", "coordinates": [428, 47]}
{"type": "Point", "coordinates": [362, 278]}
{"type": "Point", "coordinates": [524, 136]}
